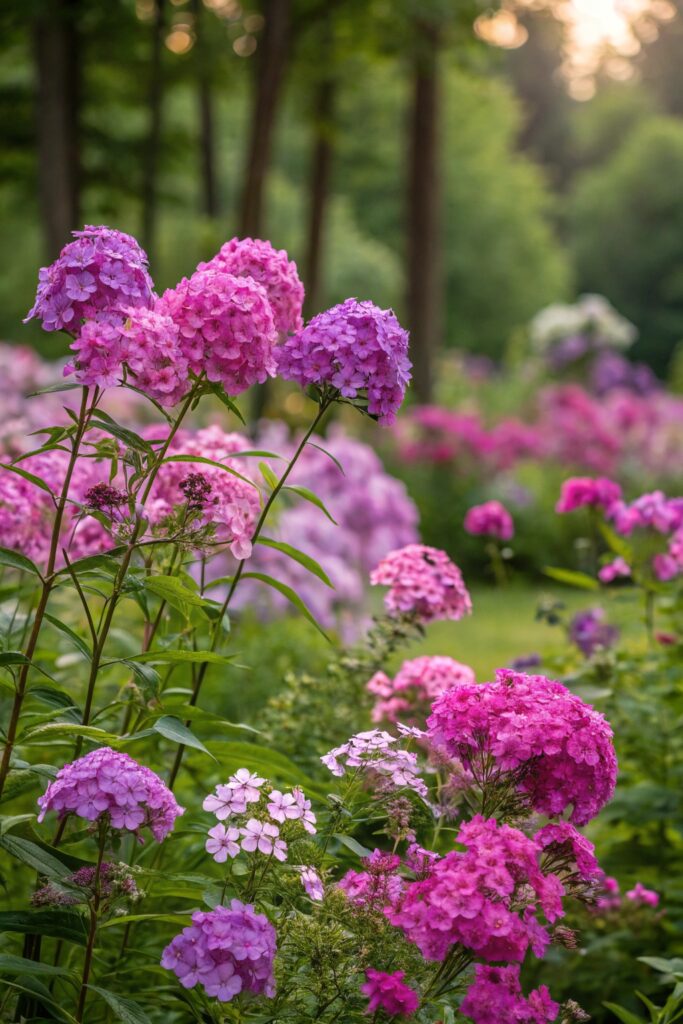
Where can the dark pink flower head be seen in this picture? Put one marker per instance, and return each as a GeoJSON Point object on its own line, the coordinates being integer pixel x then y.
{"type": "Point", "coordinates": [271, 268]}
{"type": "Point", "coordinates": [226, 328]}
{"type": "Point", "coordinates": [566, 849]}
{"type": "Point", "coordinates": [378, 886]}
{"type": "Point", "coordinates": [389, 992]}
{"type": "Point", "coordinates": [559, 748]}
{"type": "Point", "coordinates": [143, 350]}
{"type": "Point", "coordinates": [99, 275]}
{"type": "Point", "coordinates": [486, 897]}
{"type": "Point", "coordinates": [652, 511]}
{"type": "Point", "coordinates": [491, 519]}
{"type": "Point", "coordinates": [107, 782]}
{"type": "Point", "coordinates": [355, 348]}
{"type": "Point", "coordinates": [227, 951]}
{"type": "Point", "coordinates": [496, 996]}
{"type": "Point", "coordinates": [639, 894]}
{"type": "Point", "coordinates": [422, 581]}
{"type": "Point", "coordinates": [416, 685]}
{"type": "Point", "coordinates": [596, 492]}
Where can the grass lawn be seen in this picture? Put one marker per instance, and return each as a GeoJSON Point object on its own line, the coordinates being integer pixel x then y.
{"type": "Point", "coordinates": [503, 626]}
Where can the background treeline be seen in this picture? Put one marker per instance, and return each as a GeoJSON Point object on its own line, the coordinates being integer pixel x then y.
{"type": "Point", "coordinates": [390, 151]}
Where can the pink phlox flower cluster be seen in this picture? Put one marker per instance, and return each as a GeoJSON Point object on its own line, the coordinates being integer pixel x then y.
{"type": "Point", "coordinates": [226, 328]}
{"type": "Point", "coordinates": [107, 782]}
{"type": "Point", "coordinates": [235, 504]}
{"type": "Point", "coordinates": [101, 274]}
{"type": "Point", "coordinates": [269, 267]}
{"type": "Point", "coordinates": [389, 992]}
{"type": "Point", "coordinates": [491, 519]}
{"type": "Point", "coordinates": [565, 847]}
{"type": "Point", "coordinates": [143, 349]}
{"type": "Point", "coordinates": [559, 748]}
{"type": "Point", "coordinates": [227, 951]}
{"type": "Point", "coordinates": [416, 685]}
{"type": "Point", "coordinates": [263, 836]}
{"type": "Point", "coordinates": [485, 898]}
{"type": "Point", "coordinates": [378, 887]}
{"type": "Point", "coordinates": [653, 511]}
{"type": "Point", "coordinates": [292, 806]}
{"type": "Point", "coordinates": [496, 996]}
{"type": "Point", "coordinates": [375, 752]}
{"type": "Point", "coordinates": [312, 882]}
{"type": "Point", "coordinates": [241, 789]}
{"type": "Point", "coordinates": [618, 568]}
{"type": "Point", "coordinates": [422, 581]}
{"type": "Point", "coordinates": [27, 511]}
{"type": "Point", "coordinates": [355, 348]}
{"type": "Point", "coordinates": [639, 894]}
{"type": "Point", "coordinates": [610, 897]}
{"type": "Point", "coordinates": [596, 492]}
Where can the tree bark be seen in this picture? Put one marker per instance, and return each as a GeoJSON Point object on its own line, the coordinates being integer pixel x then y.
{"type": "Point", "coordinates": [423, 262]}
{"type": "Point", "coordinates": [150, 166]}
{"type": "Point", "coordinates": [58, 73]}
{"type": "Point", "coordinates": [270, 65]}
{"type": "Point", "coordinates": [321, 164]}
{"type": "Point", "coordinates": [207, 136]}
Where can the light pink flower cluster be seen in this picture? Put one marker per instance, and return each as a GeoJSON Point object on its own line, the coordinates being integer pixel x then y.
{"type": "Point", "coordinates": [226, 328]}
{"type": "Point", "coordinates": [108, 784]}
{"type": "Point", "coordinates": [496, 996]}
{"type": "Point", "coordinates": [269, 267]}
{"type": "Point", "coordinates": [424, 582]}
{"type": "Point", "coordinates": [618, 568]}
{"type": "Point", "coordinates": [27, 511]}
{"type": "Point", "coordinates": [312, 883]}
{"type": "Point", "coordinates": [485, 898]}
{"type": "Point", "coordinates": [143, 349]}
{"type": "Point", "coordinates": [610, 899]}
{"type": "Point", "coordinates": [356, 348]}
{"type": "Point", "coordinates": [227, 951]}
{"type": "Point", "coordinates": [102, 274]}
{"type": "Point", "coordinates": [653, 511]}
{"type": "Point", "coordinates": [257, 830]}
{"type": "Point", "coordinates": [415, 687]}
{"type": "Point", "coordinates": [491, 519]}
{"type": "Point", "coordinates": [376, 753]}
{"type": "Point", "coordinates": [556, 748]}
{"type": "Point", "coordinates": [389, 992]}
{"type": "Point", "coordinates": [578, 491]}
{"type": "Point", "coordinates": [378, 886]}
{"type": "Point", "coordinates": [234, 503]}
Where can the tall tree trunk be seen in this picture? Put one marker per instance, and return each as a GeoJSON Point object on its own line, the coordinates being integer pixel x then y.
{"type": "Point", "coordinates": [150, 166]}
{"type": "Point", "coordinates": [207, 134]}
{"type": "Point", "coordinates": [321, 164]}
{"type": "Point", "coordinates": [271, 61]}
{"type": "Point", "coordinates": [58, 72]}
{"type": "Point", "coordinates": [423, 265]}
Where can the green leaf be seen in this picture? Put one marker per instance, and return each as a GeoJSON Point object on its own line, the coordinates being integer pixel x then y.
{"type": "Point", "coordinates": [615, 543]}
{"type": "Point", "coordinates": [132, 440]}
{"type": "Point", "coordinates": [90, 563]}
{"type": "Point", "coordinates": [53, 388]}
{"type": "Point", "coordinates": [298, 556]}
{"type": "Point", "coordinates": [622, 1014]}
{"type": "Point", "coordinates": [194, 657]}
{"type": "Point", "coordinates": [211, 462]}
{"type": "Point", "coordinates": [57, 924]}
{"type": "Point", "coordinates": [217, 390]}
{"type": "Point", "coordinates": [173, 729]}
{"type": "Point", "coordinates": [308, 495]}
{"type": "Point", "coordinates": [49, 1003]}
{"type": "Point", "coordinates": [572, 578]}
{"type": "Point", "coordinates": [352, 844]}
{"type": "Point", "coordinates": [13, 658]}
{"type": "Point", "coordinates": [78, 642]}
{"type": "Point", "coordinates": [268, 475]}
{"type": "Point", "coordinates": [125, 1010]}
{"type": "Point", "coordinates": [31, 477]}
{"type": "Point", "coordinates": [180, 919]}
{"type": "Point", "coordinates": [287, 592]}
{"type": "Point", "coordinates": [16, 561]}
{"type": "Point", "coordinates": [20, 965]}
{"type": "Point", "coordinates": [68, 730]}
{"type": "Point", "coordinates": [174, 592]}
{"type": "Point", "coordinates": [329, 455]}
{"type": "Point", "coordinates": [38, 859]}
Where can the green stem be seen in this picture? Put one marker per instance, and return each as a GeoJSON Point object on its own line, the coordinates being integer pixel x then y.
{"type": "Point", "coordinates": [94, 911]}
{"type": "Point", "coordinates": [324, 406]}
{"type": "Point", "coordinates": [48, 581]}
